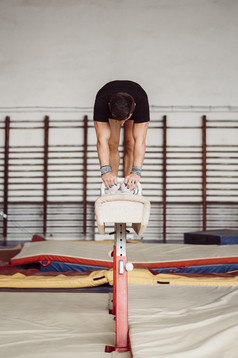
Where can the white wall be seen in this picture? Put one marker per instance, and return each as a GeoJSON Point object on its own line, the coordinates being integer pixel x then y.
{"type": "Point", "coordinates": [59, 52]}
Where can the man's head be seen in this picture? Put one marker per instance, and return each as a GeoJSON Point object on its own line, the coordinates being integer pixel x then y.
{"type": "Point", "coordinates": [121, 105]}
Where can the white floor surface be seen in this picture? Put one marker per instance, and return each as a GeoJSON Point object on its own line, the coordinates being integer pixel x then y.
{"type": "Point", "coordinates": [55, 325]}
{"type": "Point", "coordinates": [183, 322]}
{"type": "Point", "coordinates": [164, 321]}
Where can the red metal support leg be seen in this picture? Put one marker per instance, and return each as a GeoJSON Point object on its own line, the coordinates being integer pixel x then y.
{"type": "Point", "coordinates": [121, 305]}
{"type": "Point", "coordinates": [120, 291]}
{"type": "Point", "coordinates": [114, 280]}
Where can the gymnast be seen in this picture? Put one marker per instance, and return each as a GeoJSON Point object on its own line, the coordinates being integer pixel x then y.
{"type": "Point", "coordinates": [117, 104]}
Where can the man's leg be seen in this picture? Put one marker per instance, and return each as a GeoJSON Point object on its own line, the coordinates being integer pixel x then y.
{"type": "Point", "coordinates": [128, 147]}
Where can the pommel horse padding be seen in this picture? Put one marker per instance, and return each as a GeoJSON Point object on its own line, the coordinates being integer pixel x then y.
{"type": "Point", "coordinates": [122, 208]}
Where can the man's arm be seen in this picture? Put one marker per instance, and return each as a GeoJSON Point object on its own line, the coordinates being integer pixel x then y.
{"type": "Point", "coordinates": [103, 134]}
{"type": "Point", "coordinates": [139, 134]}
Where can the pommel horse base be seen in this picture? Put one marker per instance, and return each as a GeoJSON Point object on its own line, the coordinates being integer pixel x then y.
{"type": "Point", "coordinates": [121, 209]}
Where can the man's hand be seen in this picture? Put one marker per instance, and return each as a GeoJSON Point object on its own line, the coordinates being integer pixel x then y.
{"type": "Point", "coordinates": [131, 181]}
{"type": "Point", "coordinates": [109, 180]}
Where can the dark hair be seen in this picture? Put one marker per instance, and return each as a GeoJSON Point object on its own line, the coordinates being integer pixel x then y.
{"type": "Point", "coordinates": [121, 105]}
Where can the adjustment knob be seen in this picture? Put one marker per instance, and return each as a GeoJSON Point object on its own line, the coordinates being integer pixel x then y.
{"type": "Point", "coordinates": [129, 266]}
{"type": "Point", "coordinates": [110, 253]}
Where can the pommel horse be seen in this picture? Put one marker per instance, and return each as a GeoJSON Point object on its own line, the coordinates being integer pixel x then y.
{"type": "Point", "coordinates": [120, 209]}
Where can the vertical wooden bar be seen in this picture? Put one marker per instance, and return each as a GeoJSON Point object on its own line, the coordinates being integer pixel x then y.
{"type": "Point", "coordinates": [164, 184]}
{"type": "Point", "coordinates": [6, 177]}
{"type": "Point", "coordinates": [204, 172]}
{"type": "Point", "coordinates": [85, 166]}
{"type": "Point", "coordinates": [45, 190]}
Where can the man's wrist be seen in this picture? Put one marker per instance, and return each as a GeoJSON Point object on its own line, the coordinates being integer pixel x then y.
{"type": "Point", "coordinates": [105, 169]}
{"type": "Point", "coordinates": [136, 170]}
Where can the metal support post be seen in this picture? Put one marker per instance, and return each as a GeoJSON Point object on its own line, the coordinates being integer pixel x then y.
{"type": "Point", "coordinates": [120, 290]}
